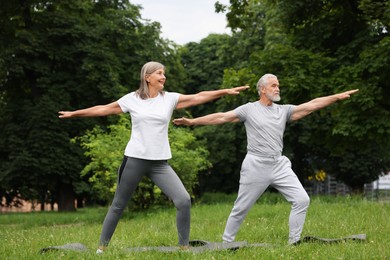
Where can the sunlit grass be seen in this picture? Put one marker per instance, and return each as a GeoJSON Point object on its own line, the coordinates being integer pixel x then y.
{"type": "Point", "coordinates": [22, 235]}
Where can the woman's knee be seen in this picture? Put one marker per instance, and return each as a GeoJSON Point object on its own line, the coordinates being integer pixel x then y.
{"type": "Point", "coordinates": [118, 206]}
{"type": "Point", "coordinates": [183, 202]}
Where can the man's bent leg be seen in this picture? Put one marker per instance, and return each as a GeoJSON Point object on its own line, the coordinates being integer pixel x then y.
{"type": "Point", "coordinates": [292, 189]}
{"type": "Point", "coordinates": [300, 204]}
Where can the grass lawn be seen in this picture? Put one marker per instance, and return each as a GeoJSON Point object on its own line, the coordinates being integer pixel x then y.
{"type": "Point", "coordinates": [22, 235]}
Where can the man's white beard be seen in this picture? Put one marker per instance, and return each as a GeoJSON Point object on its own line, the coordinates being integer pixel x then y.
{"type": "Point", "coordinates": [274, 98]}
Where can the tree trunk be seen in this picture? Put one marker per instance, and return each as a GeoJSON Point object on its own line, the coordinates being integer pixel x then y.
{"type": "Point", "coordinates": [80, 202]}
{"type": "Point", "coordinates": [43, 203]}
{"type": "Point", "coordinates": [66, 197]}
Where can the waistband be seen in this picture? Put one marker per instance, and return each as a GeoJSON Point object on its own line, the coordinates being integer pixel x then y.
{"type": "Point", "coordinates": [266, 156]}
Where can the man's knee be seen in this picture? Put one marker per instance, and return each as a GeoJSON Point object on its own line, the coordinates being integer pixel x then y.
{"type": "Point", "coordinates": [302, 202]}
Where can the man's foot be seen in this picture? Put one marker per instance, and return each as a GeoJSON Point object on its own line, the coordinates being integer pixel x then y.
{"type": "Point", "coordinates": [295, 243]}
{"type": "Point", "coordinates": [184, 248]}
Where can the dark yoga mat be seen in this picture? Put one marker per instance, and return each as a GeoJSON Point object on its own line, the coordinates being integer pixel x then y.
{"type": "Point", "coordinates": [311, 239]}
{"type": "Point", "coordinates": [198, 246]}
{"type": "Point", "coordinates": [70, 246]}
{"type": "Point", "coordinates": [195, 246]}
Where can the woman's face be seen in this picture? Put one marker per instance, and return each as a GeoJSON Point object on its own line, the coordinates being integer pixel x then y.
{"type": "Point", "coordinates": [157, 79]}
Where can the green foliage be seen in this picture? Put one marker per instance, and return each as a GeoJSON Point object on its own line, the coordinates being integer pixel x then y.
{"type": "Point", "coordinates": [204, 63]}
{"type": "Point", "coordinates": [65, 55]}
{"type": "Point", "coordinates": [189, 157]}
{"type": "Point", "coordinates": [318, 48]}
{"type": "Point", "coordinates": [105, 150]}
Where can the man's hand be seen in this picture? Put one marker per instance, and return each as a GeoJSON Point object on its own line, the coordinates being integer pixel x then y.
{"type": "Point", "coordinates": [65, 114]}
{"type": "Point", "coordinates": [182, 121]}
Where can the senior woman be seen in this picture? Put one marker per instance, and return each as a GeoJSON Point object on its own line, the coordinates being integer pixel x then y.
{"type": "Point", "coordinates": [148, 150]}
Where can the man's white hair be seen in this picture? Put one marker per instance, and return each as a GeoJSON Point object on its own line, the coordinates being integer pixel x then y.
{"type": "Point", "coordinates": [263, 81]}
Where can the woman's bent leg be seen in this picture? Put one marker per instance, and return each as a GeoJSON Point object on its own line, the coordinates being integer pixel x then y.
{"type": "Point", "coordinates": [168, 181]}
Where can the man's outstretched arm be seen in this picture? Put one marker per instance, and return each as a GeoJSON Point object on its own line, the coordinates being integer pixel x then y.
{"type": "Point", "coordinates": [211, 119]}
{"type": "Point", "coordinates": [307, 108]}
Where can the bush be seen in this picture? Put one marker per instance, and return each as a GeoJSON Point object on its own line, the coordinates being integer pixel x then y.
{"type": "Point", "coordinates": [105, 150]}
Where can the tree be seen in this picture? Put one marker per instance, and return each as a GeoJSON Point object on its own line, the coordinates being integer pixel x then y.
{"type": "Point", "coordinates": [64, 55]}
{"type": "Point", "coordinates": [205, 63]}
{"type": "Point", "coordinates": [318, 48]}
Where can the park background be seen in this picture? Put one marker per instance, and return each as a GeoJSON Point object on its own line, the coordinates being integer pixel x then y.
{"type": "Point", "coordinates": [71, 54]}
{"type": "Point", "coordinates": [66, 55]}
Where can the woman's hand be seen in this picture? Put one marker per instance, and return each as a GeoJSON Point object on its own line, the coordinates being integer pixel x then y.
{"type": "Point", "coordinates": [236, 90]}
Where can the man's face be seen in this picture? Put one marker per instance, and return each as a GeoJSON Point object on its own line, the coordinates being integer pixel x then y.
{"type": "Point", "coordinates": [271, 90]}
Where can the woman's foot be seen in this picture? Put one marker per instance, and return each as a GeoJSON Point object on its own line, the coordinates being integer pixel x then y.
{"type": "Point", "coordinates": [184, 248]}
{"type": "Point", "coordinates": [100, 250]}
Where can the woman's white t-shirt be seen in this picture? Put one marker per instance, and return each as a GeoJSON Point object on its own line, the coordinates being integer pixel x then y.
{"type": "Point", "coordinates": [150, 119]}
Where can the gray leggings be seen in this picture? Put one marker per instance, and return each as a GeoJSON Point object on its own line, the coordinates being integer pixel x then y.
{"type": "Point", "coordinates": [160, 172]}
{"type": "Point", "coordinates": [257, 173]}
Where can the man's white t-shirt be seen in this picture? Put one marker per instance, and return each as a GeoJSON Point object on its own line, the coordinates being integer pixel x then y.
{"type": "Point", "coordinates": [150, 119]}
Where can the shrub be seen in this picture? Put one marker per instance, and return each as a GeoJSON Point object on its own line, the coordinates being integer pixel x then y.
{"type": "Point", "coordinates": [105, 150]}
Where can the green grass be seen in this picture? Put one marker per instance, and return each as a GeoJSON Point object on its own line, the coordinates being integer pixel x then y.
{"type": "Point", "coordinates": [22, 235]}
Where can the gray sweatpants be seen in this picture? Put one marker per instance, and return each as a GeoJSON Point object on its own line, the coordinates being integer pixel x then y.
{"type": "Point", "coordinates": [160, 172]}
{"type": "Point", "coordinates": [257, 173]}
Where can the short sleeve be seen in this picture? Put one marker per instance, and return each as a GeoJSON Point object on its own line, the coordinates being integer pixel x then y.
{"type": "Point", "coordinates": [125, 102]}
{"type": "Point", "coordinates": [242, 112]}
{"type": "Point", "coordinates": [173, 98]}
{"type": "Point", "coordinates": [290, 110]}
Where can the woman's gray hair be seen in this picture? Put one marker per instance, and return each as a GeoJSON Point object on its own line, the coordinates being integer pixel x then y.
{"type": "Point", "coordinates": [263, 81]}
{"type": "Point", "coordinates": [147, 69]}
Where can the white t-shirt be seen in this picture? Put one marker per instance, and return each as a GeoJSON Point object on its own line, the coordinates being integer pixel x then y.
{"type": "Point", "coordinates": [150, 119]}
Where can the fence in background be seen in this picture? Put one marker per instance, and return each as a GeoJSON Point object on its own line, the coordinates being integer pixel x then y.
{"type": "Point", "coordinates": [329, 186]}
{"type": "Point", "coordinates": [377, 190]}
